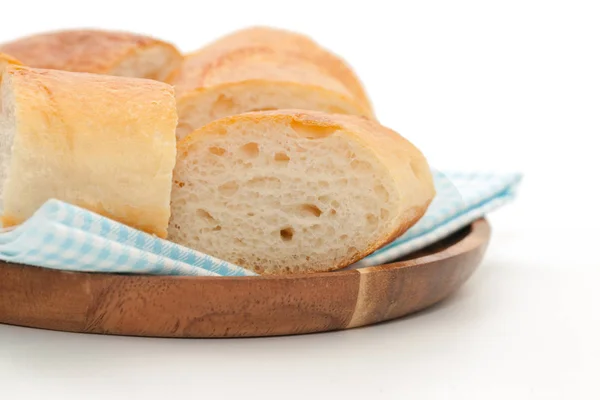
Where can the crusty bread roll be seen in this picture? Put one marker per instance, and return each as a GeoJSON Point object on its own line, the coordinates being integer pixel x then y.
{"type": "Point", "coordinates": [259, 69]}
{"type": "Point", "coordinates": [99, 52]}
{"type": "Point", "coordinates": [295, 191]}
{"type": "Point", "coordinates": [101, 142]}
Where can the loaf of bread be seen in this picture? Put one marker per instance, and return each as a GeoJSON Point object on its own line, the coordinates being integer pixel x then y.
{"type": "Point", "coordinates": [263, 69]}
{"type": "Point", "coordinates": [101, 142]}
{"type": "Point", "coordinates": [100, 52]}
{"type": "Point", "coordinates": [295, 191]}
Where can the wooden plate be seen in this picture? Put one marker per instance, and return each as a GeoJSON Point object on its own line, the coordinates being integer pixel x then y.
{"type": "Point", "coordinates": [237, 307]}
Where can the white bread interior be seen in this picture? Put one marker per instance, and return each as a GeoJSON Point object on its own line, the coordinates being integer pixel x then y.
{"type": "Point", "coordinates": [101, 142]}
{"type": "Point", "coordinates": [5, 60]}
{"type": "Point", "coordinates": [7, 134]}
{"type": "Point", "coordinates": [156, 62]}
{"type": "Point", "coordinates": [295, 191]}
{"type": "Point", "coordinates": [203, 106]}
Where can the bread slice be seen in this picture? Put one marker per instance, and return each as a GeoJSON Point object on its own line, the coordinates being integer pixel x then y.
{"type": "Point", "coordinates": [100, 52]}
{"type": "Point", "coordinates": [295, 191]}
{"type": "Point", "coordinates": [101, 142]}
{"type": "Point", "coordinates": [301, 46]}
{"type": "Point", "coordinates": [260, 69]}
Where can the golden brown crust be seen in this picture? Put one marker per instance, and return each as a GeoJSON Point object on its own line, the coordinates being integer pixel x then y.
{"type": "Point", "coordinates": [5, 60]}
{"type": "Point", "coordinates": [93, 51]}
{"type": "Point", "coordinates": [104, 143]}
{"type": "Point", "coordinates": [264, 53]}
{"type": "Point", "coordinates": [293, 44]}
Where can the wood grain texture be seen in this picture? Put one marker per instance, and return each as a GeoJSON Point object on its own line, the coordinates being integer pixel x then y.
{"type": "Point", "coordinates": [238, 307]}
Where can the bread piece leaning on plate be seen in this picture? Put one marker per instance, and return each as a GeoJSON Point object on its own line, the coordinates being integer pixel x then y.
{"type": "Point", "coordinates": [296, 191]}
{"type": "Point", "coordinates": [99, 52]}
{"type": "Point", "coordinates": [264, 69]}
{"type": "Point", "coordinates": [101, 142]}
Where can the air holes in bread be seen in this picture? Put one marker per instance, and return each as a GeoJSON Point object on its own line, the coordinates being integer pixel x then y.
{"type": "Point", "coordinates": [200, 213]}
{"type": "Point", "coordinates": [223, 105]}
{"type": "Point", "coordinates": [250, 150]}
{"type": "Point", "coordinates": [264, 182]}
{"type": "Point", "coordinates": [312, 131]}
{"type": "Point", "coordinates": [382, 192]}
{"type": "Point", "coordinates": [361, 166]}
{"type": "Point", "coordinates": [384, 214]}
{"type": "Point", "coordinates": [372, 220]}
{"type": "Point", "coordinates": [184, 129]}
{"type": "Point", "coordinates": [287, 234]}
{"type": "Point", "coordinates": [229, 188]}
{"type": "Point", "coordinates": [282, 157]}
{"type": "Point", "coordinates": [217, 151]}
{"type": "Point", "coordinates": [310, 209]}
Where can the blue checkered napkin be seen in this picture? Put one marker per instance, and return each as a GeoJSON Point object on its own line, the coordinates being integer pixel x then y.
{"type": "Point", "coordinates": [461, 199]}
{"type": "Point", "coordinates": [62, 236]}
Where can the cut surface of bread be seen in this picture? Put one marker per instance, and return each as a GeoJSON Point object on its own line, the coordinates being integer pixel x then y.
{"type": "Point", "coordinates": [100, 52]}
{"type": "Point", "coordinates": [292, 191]}
{"type": "Point", "coordinates": [5, 60]}
{"type": "Point", "coordinates": [262, 69]}
{"type": "Point", "coordinates": [100, 142]}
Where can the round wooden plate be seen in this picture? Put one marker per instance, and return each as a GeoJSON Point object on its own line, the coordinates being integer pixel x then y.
{"type": "Point", "coordinates": [240, 306]}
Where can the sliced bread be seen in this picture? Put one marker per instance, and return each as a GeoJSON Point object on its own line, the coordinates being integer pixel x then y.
{"type": "Point", "coordinates": [295, 191]}
{"type": "Point", "coordinates": [261, 69]}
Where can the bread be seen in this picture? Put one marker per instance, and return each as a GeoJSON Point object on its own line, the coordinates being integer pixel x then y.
{"type": "Point", "coordinates": [100, 52]}
{"type": "Point", "coordinates": [295, 191]}
{"type": "Point", "coordinates": [5, 60]}
{"type": "Point", "coordinates": [100, 142]}
{"type": "Point", "coordinates": [260, 69]}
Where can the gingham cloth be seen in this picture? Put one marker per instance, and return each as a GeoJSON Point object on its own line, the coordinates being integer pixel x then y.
{"type": "Point", "coordinates": [62, 236]}
{"type": "Point", "coordinates": [461, 199]}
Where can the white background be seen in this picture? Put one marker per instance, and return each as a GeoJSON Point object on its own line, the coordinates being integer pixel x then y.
{"type": "Point", "coordinates": [507, 85]}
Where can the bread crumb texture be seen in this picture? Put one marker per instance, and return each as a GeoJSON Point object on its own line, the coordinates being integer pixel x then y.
{"type": "Point", "coordinates": [293, 191]}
